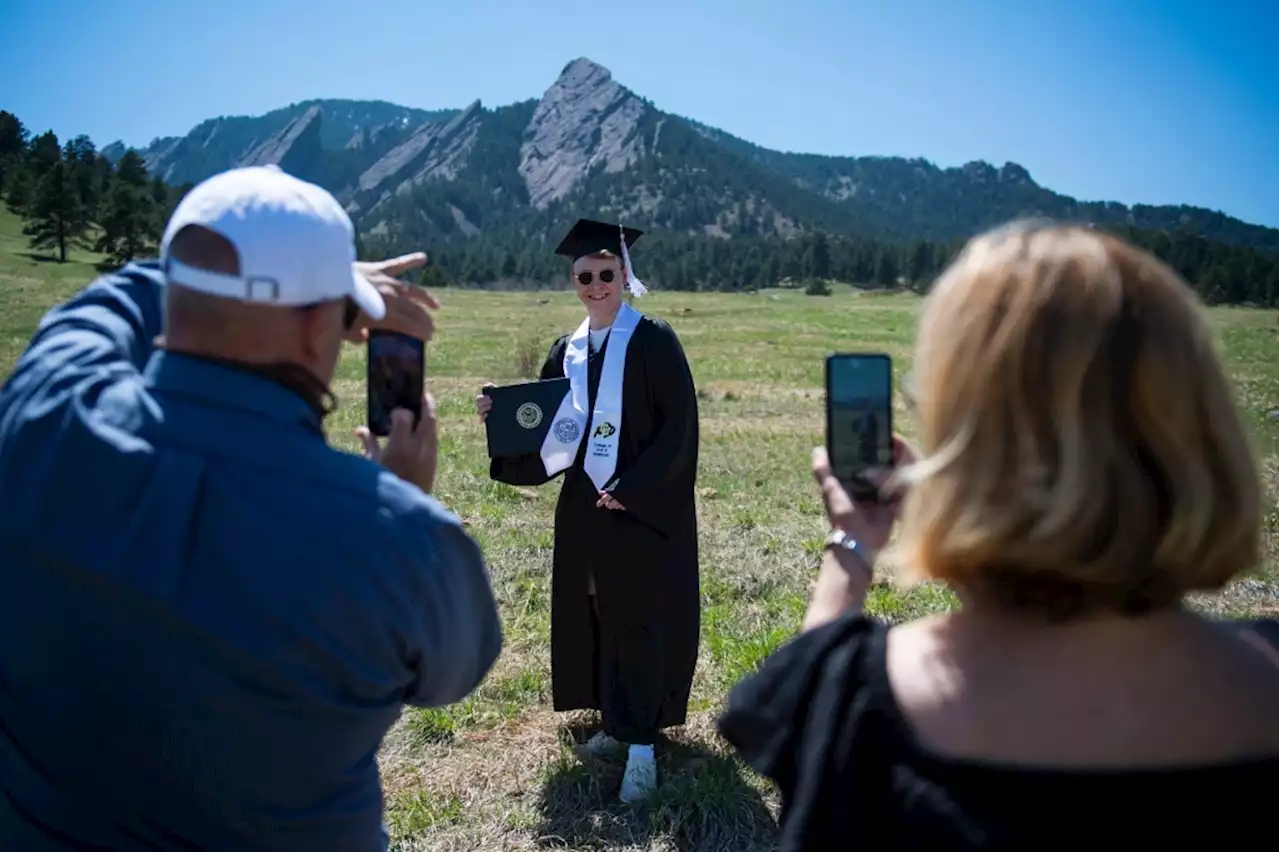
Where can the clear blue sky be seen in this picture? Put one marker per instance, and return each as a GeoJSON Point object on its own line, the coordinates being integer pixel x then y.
{"type": "Point", "coordinates": [1153, 101]}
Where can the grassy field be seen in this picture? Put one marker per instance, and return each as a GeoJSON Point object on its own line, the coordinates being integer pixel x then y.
{"type": "Point", "coordinates": [498, 771]}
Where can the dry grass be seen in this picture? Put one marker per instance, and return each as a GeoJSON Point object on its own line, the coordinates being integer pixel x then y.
{"type": "Point", "coordinates": [522, 785]}
{"type": "Point", "coordinates": [498, 771]}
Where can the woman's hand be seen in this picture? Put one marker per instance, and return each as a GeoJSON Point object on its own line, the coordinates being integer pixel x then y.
{"type": "Point", "coordinates": [868, 522]}
{"type": "Point", "coordinates": [484, 403]}
{"type": "Point", "coordinates": [838, 590]}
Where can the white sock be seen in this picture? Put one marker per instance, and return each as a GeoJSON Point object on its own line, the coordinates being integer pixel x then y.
{"type": "Point", "coordinates": [642, 752]}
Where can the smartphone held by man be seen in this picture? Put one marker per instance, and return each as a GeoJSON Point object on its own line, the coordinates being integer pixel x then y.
{"type": "Point", "coordinates": [396, 374]}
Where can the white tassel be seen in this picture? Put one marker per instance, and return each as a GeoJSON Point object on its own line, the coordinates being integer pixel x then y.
{"type": "Point", "coordinates": [634, 284]}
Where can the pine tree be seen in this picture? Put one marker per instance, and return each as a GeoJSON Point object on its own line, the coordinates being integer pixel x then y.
{"type": "Point", "coordinates": [13, 135]}
{"type": "Point", "coordinates": [128, 223]}
{"type": "Point", "coordinates": [80, 155]}
{"type": "Point", "coordinates": [920, 263]}
{"type": "Point", "coordinates": [130, 220]}
{"type": "Point", "coordinates": [103, 174]}
{"type": "Point", "coordinates": [887, 267]}
{"type": "Point", "coordinates": [13, 147]}
{"type": "Point", "coordinates": [772, 272]}
{"type": "Point", "coordinates": [56, 216]}
{"type": "Point", "coordinates": [44, 154]}
{"type": "Point", "coordinates": [163, 202]}
{"type": "Point", "coordinates": [432, 278]}
{"type": "Point", "coordinates": [20, 189]}
{"type": "Point", "coordinates": [818, 258]}
{"type": "Point", "coordinates": [1214, 285]}
{"type": "Point", "coordinates": [508, 268]}
{"type": "Point", "coordinates": [1271, 287]}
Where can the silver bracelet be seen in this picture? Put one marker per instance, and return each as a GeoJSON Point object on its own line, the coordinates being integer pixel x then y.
{"type": "Point", "coordinates": [841, 540]}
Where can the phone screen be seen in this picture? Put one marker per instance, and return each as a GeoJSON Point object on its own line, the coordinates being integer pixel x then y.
{"type": "Point", "coordinates": [396, 373]}
{"type": "Point", "coordinates": [859, 418]}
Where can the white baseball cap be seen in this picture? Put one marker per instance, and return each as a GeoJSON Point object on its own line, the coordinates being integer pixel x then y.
{"type": "Point", "coordinates": [296, 243]}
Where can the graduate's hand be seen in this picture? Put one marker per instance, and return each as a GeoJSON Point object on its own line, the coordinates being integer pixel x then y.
{"type": "Point", "coordinates": [483, 403]}
{"type": "Point", "coordinates": [408, 307]}
{"type": "Point", "coordinates": [607, 501]}
{"type": "Point", "coordinates": [410, 453]}
{"type": "Point", "coordinates": [869, 522]}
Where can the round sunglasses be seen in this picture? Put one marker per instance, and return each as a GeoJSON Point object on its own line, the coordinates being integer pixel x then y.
{"type": "Point", "coordinates": [606, 275]}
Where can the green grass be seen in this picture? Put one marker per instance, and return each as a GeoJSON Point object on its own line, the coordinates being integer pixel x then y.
{"type": "Point", "coordinates": [497, 771]}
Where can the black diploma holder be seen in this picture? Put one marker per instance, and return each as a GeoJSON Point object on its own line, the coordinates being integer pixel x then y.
{"type": "Point", "coordinates": [521, 416]}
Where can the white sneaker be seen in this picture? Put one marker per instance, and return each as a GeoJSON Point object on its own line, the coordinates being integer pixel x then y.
{"type": "Point", "coordinates": [641, 777]}
{"type": "Point", "coordinates": [602, 745]}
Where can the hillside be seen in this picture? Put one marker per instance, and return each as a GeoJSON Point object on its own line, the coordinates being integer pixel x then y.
{"type": "Point", "coordinates": [370, 127]}
{"type": "Point", "coordinates": [489, 190]}
{"type": "Point", "coordinates": [589, 145]}
{"type": "Point", "coordinates": [917, 199]}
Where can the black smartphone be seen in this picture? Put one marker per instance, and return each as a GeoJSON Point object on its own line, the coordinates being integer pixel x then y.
{"type": "Point", "coordinates": [859, 418]}
{"type": "Point", "coordinates": [395, 376]}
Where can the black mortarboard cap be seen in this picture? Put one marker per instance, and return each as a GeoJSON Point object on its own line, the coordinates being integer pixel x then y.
{"type": "Point", "coordinates": [589, 236]}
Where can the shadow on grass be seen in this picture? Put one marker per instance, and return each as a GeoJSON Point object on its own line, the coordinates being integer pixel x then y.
{"type": "Point", "coordinates": [39, 258]}
{"type": "Point", "coordinates": [703, 804]}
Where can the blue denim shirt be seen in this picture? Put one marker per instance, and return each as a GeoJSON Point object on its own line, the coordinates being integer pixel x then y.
{"type": "Point", "coordinates": [209, 618]}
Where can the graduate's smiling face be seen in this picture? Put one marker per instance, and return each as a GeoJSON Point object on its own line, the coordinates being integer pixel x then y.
{"type": "Point", "coordinates": [598, 279]}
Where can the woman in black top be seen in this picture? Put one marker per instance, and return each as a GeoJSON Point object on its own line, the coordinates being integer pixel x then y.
{"type": "Point", "coordinates": [1081, 468]}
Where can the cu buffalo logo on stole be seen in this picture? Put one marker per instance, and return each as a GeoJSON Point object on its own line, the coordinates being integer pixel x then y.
{"type": "Point", "coordinates": [566, 430]}
{"type": "Point", "coordinates": [604, 430]}
{"type": "Point", "coordinates": [529, 415]}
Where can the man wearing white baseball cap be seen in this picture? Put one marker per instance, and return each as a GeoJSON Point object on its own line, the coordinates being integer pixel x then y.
{"type": "Point", "coordinates": [269, 216]}
{"type": "Point", "coordinates": [209, 617]}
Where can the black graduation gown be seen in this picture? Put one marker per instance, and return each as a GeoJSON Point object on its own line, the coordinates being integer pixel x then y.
{"type": "Point", "coordinates": [634, 663]}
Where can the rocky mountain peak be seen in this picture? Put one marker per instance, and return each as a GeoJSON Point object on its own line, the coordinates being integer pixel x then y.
{"type": "Point", "coordinates": [582, 73]}
{"type": "Point", "coordinates": [286, 146]}
{"type": "Point", "coordinates": [979, 171]}
{"type": "Point", "coordinates": [1014, 173]}
{"type": "Point", "coordinates": [436, 151]}
{"type": "Point", "coordinates": [584, 122]}
{"type": "Point", "coordinates": [295, 148]}
{"type": "Point", "coordinates": [114, 151]}
{"type": "Point", "coordinates": [417, 177]}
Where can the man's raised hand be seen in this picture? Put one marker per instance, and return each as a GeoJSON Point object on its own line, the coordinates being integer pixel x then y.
{"type": "Point", "coordinates": [408, 307]}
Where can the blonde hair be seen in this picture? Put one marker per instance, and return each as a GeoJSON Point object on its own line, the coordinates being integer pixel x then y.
{"type": "Point", "coordinates": [602, 254]}
{"type": "Point", "coordinates": [1080, 445]}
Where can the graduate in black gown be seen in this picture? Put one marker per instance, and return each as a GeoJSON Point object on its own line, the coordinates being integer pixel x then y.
{"type": "Point", "coordinates": [625, 591]}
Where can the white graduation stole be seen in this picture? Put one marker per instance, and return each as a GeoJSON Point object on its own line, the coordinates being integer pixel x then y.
{"type": "Point", "coordinates": [603, 426]}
